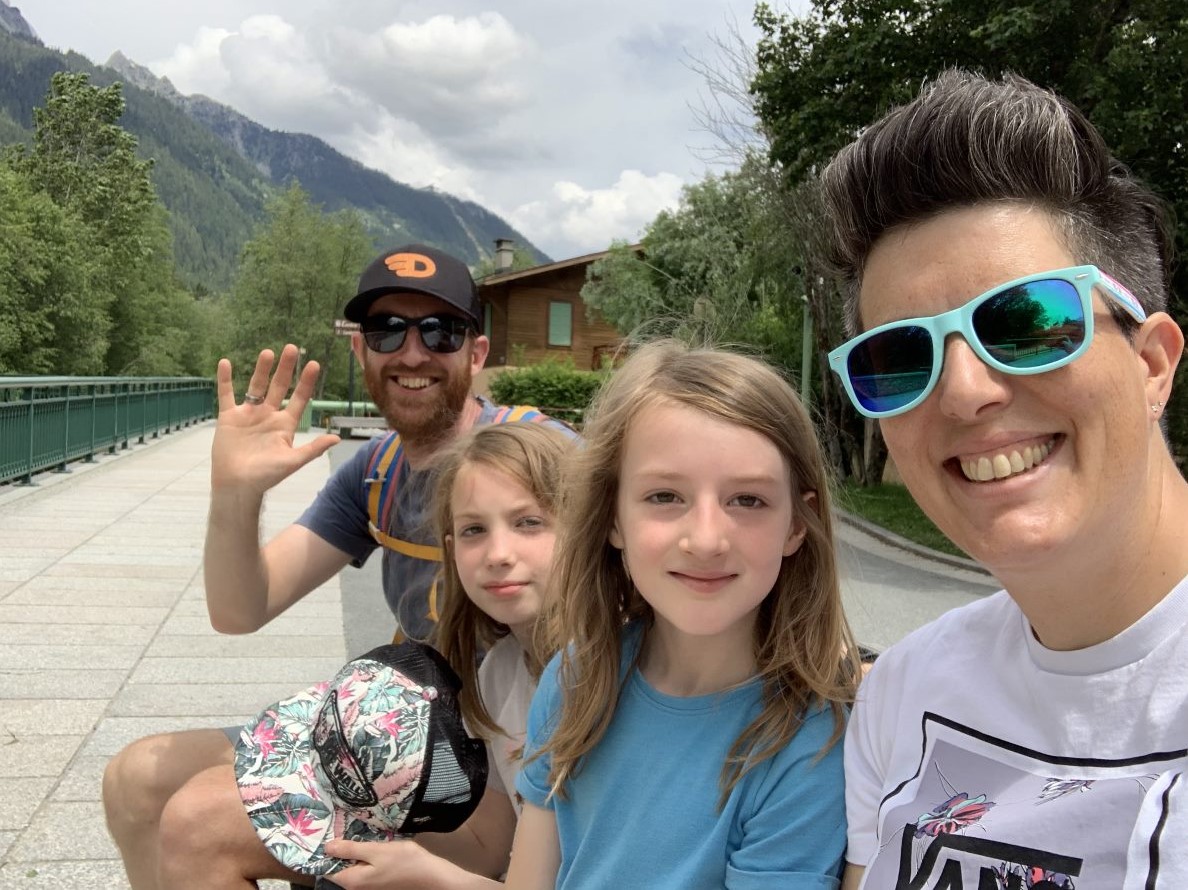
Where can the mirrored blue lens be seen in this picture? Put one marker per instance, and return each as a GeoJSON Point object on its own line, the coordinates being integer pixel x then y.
{"type": "Point", "coordinates": [1031, 325]}
{"type": "Point", "coordinates": [890, 369]}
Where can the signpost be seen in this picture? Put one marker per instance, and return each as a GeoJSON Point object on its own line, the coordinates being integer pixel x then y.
{"type": "Point", "coordinates": [344, 328]}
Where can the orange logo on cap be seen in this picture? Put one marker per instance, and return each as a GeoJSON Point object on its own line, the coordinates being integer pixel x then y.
{"type": "Point", "coordinates": [411, 265]}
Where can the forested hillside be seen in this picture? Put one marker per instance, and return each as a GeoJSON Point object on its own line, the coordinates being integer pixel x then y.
{"type": "Point", "coordinates": [340, 183]}
{"type": "Point", "coordinates": [215, 195]}
{"type": "Point", "coordinates": [391, 210]}
{"type": "Point", "coordinates": [88, 282]}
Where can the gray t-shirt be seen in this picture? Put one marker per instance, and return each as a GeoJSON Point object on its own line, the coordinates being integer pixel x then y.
{"type": "Point", "coordinates": [339, 516]}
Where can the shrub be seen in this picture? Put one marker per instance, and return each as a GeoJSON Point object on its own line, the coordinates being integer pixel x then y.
{"type": "Point", "coordinates": [555, 386]}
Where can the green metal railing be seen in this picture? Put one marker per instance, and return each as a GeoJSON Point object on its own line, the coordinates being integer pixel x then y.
{"type": "Point", "coordinates": [319, 411]}
{"type": "Point", "coordinates": [46, 422]}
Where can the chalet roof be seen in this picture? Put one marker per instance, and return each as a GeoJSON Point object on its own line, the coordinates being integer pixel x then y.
{"type": "Point", "coordinates": [520, 274]}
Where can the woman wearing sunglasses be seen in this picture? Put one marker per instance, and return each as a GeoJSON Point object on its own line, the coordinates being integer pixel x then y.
{"type": "Point", "coordinates": [1007, 285]}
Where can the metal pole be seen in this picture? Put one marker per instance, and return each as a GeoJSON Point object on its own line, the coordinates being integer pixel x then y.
{"type": "Point", "coordinates": [28, 479]}
{"type": "Point", "coordinates": [65, 429]}
{"type": "Point", "coordinates": [806, 353]}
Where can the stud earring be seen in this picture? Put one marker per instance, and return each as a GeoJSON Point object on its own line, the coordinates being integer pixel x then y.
{"type": "Point", "coordinates": [1156, 407]}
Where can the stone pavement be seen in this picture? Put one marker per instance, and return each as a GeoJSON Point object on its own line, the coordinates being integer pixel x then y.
{"type": "Point", "coordinates": [104, 638]}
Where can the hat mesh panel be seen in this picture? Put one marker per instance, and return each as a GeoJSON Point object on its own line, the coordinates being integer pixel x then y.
{"type": "Point", "coordinates": [448, 783]}
{"type": "Point", "coordinates": [455, 774]}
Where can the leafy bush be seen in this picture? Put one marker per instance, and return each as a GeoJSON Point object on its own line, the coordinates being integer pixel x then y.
{"type": "Point", "coordinates": [554, 386]}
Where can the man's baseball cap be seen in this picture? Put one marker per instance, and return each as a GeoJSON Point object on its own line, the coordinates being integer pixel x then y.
{"type": "Point", "coordinates": [418, 269]}
{"type": "Point", "coordinates": [379, 752]}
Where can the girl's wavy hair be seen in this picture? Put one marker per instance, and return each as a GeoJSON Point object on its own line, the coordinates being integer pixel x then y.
{"type": "Point", "coordinates": [531, 454]}
{"type": "Point", "coordinates": [803, 646]}
{"type": "Point", "coordinates": [966, 140]}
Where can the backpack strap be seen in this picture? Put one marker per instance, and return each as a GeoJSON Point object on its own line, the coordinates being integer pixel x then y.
{"type": "Point", "coordinates": [518, 413]}
{"type": "Point", "coordinates": [383, 473]}
{"type": "Point", "coordinates": [382, 479]}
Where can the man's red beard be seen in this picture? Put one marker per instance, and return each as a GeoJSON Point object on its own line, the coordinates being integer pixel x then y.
{"type": "Point", "coordinates": [425, 423]}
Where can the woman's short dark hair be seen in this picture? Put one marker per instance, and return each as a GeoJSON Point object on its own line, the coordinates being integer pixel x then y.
{"type": "Point", "coordinates": [967, 140]}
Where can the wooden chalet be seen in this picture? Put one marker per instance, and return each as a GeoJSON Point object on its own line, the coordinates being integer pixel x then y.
{"type": "Point", "coordinates": [532, 314]}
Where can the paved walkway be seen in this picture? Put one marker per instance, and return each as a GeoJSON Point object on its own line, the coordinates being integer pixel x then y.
{"type": "Point", "coordinates": [104, 636]}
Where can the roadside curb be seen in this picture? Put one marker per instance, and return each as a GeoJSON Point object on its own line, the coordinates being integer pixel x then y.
{"type": "Point", "coordinates": [887, 537]}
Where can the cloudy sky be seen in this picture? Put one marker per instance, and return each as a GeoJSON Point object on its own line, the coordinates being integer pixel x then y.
{"type": "Point", "coordinates": [576, 122]}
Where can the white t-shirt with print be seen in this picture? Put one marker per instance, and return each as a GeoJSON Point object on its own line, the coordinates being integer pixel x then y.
{"type": "Point", "coordinates": [976, 757]}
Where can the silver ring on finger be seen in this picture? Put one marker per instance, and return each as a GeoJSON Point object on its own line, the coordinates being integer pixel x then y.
{"type": "Point", "coordinates": [253, 399]}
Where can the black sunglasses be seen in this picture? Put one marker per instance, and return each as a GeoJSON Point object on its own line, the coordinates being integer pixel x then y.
{"type": "Point", "coordinates": [439, 333]}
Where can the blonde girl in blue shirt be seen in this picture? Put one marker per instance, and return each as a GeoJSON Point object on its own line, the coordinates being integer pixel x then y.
{"type": "Point", "coordinates": [687, 735]}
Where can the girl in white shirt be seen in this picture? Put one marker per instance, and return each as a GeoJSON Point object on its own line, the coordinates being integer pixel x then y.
{"type": "Point", "coordinates": [493, 512]}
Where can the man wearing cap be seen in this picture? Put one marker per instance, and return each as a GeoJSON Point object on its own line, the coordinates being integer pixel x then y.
{"type": "Point", "coordinates": [419, 347]}
{"type": "Point", "coordinates": [420, 380]}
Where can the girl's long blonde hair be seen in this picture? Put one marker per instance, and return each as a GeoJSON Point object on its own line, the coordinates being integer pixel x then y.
{"type": "Point", "coordinates": [531, 454]}
{"type": "Point", "coordinates": [803, 647]}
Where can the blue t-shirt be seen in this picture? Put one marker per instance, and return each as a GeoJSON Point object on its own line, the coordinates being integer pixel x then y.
{"type": "Point", "coordinates": [642, 810]}
{"type": "Point", "coordinates": [339, 516]}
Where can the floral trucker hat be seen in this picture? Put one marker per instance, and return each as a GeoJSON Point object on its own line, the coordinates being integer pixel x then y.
{"type": "Point", "coordinates": [377, 753]}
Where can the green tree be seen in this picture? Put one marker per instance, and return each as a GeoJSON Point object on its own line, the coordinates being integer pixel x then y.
{"type": "Point", "coordinates": [174, 331]}
{"type": "Point", "coordinates": [295, 275]}
{"type": "Point", "coordinates": [628, 291]}
{"type": "Point", "coordinates": [141, 321]}
{"type": "Point", "coordinates": [49, 322]}
{"type": "Point", "coordinates": [87, 163]}
{"type": "Point", "coordinates": [717, 269]}
{"type": "Point", "coordinates": [823, 76]}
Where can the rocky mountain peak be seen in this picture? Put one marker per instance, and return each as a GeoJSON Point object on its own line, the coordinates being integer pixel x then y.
{"type": "Point", "coordinates": [140, 76]}
{"type": "Point", "coordinates": [14, 23]}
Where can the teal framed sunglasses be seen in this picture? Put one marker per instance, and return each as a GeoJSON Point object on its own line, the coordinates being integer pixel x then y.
{"type": "Point", "coordinates": [1027, 326]}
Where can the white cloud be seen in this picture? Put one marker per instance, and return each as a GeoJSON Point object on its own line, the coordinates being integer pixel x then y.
{"type": "Point", "coordinates": [546, 119]}
{"type": "Point", "coordinates": [453, 79]}
{"type": "Point", "coordinates": [271, 28]}
{"type": "Point", "coordinates": [587, 220]}
{"type": "Point", "coordinates": [451, 75]}
{"type": "Point", "coordinates": [404, 152]}
{"type": "Point", "coordinates": [267, 70]}
{"type": "Point", "coordinates": [456, 48]}
{"type": "Point", "coordinates": [195, 67]}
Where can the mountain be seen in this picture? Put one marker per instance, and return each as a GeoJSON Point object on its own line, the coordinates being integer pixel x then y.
{"type": "Point", "coordinates": [14, 23]}
{"type": "Point", "coordinates": [399, 211]}
{"type": "Point", "coordinates": [214, 168]}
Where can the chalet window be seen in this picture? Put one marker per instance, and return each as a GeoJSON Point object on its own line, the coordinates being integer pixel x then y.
{"type": "Point", "coordinates": [560, 324]}
{"type": "Point", "coordinates": [488, 320]}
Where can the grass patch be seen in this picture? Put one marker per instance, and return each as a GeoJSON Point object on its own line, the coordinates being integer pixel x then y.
{"type": "Point", "coordinates": [891, 507]}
